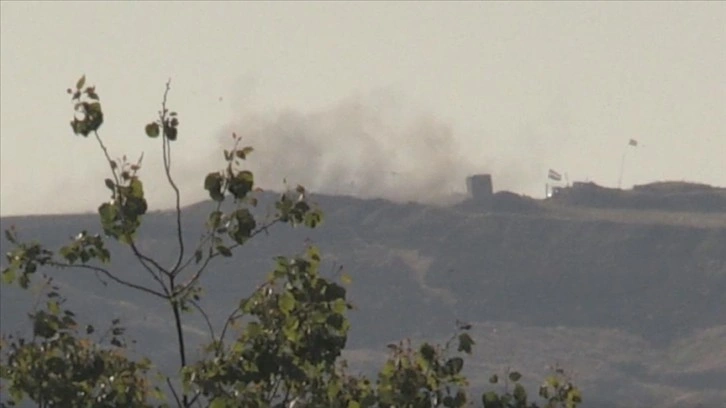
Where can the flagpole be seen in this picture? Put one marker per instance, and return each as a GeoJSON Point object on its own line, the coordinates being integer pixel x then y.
{"type": "Point", "coordinates": [633, 143]}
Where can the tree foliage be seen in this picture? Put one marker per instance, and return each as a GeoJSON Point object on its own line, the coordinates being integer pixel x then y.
{"type": "Point", "coordinates": [279, 347]}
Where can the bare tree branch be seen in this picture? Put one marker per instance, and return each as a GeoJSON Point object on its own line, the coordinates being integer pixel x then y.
{"type": "Point", "coordinates": [186, 286]}
{"type": "Point", "coordinates": [180, 338]}
{"type": "Point", "coordinates": [108, 157]}
{"type": "Point", "coordinates": [195, 398]}
{"type": "Point", "coordinates": [206, 318]}
{"type": "Point", "coordinates": [166, 153]}
{"type": "Point", "coordinates": [210, 236]}
{"type": "Point", "coordinates": [192, 257]}
{"type": "Point", "coordinates": [110, 276]}
{"type": "Point", "coordinates": [173, 392]}
{"type": "Point", "coordinates": [143, 259]}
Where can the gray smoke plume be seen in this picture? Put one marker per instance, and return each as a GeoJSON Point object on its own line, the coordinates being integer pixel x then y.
{"type": "Point", "coordinates": [361, 146]}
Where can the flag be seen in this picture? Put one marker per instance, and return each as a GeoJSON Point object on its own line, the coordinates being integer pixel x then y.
{"type": "Point", "coordinates": [553, 175]}
{"type": "Point", "coordinates": [633, 142]}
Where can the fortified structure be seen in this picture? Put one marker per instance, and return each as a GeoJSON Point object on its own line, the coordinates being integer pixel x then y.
{"type": "Point", "coordinates": [479, 187]}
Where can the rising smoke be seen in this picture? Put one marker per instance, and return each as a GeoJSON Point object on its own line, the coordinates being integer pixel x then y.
{"type": "Point", "coordinates": [374, 147]}
{"type": "Point", "coordinates": [362, 146]}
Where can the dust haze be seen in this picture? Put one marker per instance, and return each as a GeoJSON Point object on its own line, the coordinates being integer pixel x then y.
{"type": "Point", "coordinates": [367, 146]}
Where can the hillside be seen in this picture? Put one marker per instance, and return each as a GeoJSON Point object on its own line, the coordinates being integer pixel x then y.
{"type": "Point", "coordinates": [631, 300]}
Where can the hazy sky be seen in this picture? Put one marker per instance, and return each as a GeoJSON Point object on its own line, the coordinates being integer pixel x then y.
{"type": "Point", "coordinates": [399, 100]}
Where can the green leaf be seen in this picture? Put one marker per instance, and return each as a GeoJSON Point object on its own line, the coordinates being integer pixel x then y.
{"type": "Point", "coordinates": [24, 281]}
{"type": "Point", "coordinates": [244, 152]}
{"type": "Point", "coordinates": [241, 184]}
{"type": "Point", "coordinates": [339, 306]}
{"type": "Point", "coordinates": [574, 397]}
{"type": "Point", "coordinates": [133, 208]}
{"type": "Point", "coordinates": [109, 184]}
{"type": "Point", "coordinates": [170, 132]}
{"type": "Point", "coordinates": [312, 219]}
{"type": "Point", "coordinates": [197, 255]}
{"type": "Point", "coordinates": [137, 188]}
{"type": "Point", "coordinates": [514, 376]}
{"type": "Point", "coordinates": [465, 343]}
{"type": "Point", "coordinates": [290, 329]}
{"type": "Point", "coordinates": [428, 352]}
{"type": "Point", "coordinates": [491, 400]}
{"type": "Point", "coordinates": [253, 330]}
{"type": "Point", "coordinates": [94, 116]}
{"type": "Point", "coordinates": [346, 279]}
{"type": "Point", "coordinates": [520, 394]}
{"type": "Point", "coordinates": [336, 321]}
{"type": "Point", "coordinates": [53, 307]}
{"type": "Point", "coordinates": [454, 365]}
{"type": "Point", "coordinates": [213, 184]}
{"type": "Point", "coordinates": [460, 398]}
{"type": "Point", "coordinates": [108, 213]}
{"type": "Point", "coordinates": [218, 403]}
{"type": "Point", "coordinates": [494, 379]}
{"type": "Point", "coordinates": [313, 253]}
{"type": "Point", "coordinates": [215, 217]}
{"type": "Point", "coordinates": [553, 382]}
{"type": "Point", "coordinates": [152, 129]}
{"type": "Point", "coordinates": [81, 82]}
{"type": "Point", "coordinates": [224, 251]}
{"type": "Point", "coordinates": [319, 317]}
{"type": "Point", "coordinates": [334, 291]}
{"type": "Point", "coordinates": [8, 275]}
{"type": "Point", "coordinates": [286, 302]}
{"type": "Point", "coordinates": [244, 225]}
{"type": "Point", "coordinates": [9, 236]}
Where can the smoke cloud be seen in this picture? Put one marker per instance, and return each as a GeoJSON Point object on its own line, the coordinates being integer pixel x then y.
{"type": "Point", "coordinates": [362, 146]}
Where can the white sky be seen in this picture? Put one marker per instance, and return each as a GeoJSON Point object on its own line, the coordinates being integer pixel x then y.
{"type": "Point", "coordinates": [514, 88]}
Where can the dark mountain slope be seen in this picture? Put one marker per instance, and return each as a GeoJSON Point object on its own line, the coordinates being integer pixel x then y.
{"type": "Point", "coordinates": [622, 288]}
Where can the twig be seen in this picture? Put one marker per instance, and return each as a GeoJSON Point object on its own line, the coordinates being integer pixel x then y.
{"type": "Point", "coordinates": [146, 258]}
{"type": "Point", "coordinates": [143, 259]}
{"type": "Point", "coordinates": [108, 157]}
{"type": "Point", "coordinates": [166, 153]}
{"type": "Point", "coordinates": [173, 392]}
{"type": "Point", "coordinates": [195, 398]}
{"type": "Point", "coordinates": [110, 276]}
{"type": "Point", "coordinates": [201, 269]}
{"type": "Point", "coordinates": [206, 318]}
{"type": "Point", "coordinates": [191, 258]}
{"type": "Point", "coordinates": [209, 237]}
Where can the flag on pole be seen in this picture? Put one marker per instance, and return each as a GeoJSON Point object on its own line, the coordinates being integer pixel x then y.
{"type": "Point", "coordinates": [633, 142]}
{"type": "Point", "coordinates": [553, 175]}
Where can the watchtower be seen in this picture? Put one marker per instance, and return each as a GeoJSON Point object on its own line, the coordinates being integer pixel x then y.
{"type": "Point", "coordinates": [479, 187]}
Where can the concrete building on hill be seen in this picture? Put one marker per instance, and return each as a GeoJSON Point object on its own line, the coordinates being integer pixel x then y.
{"type": "Point", "coordinates": [480, 189]}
